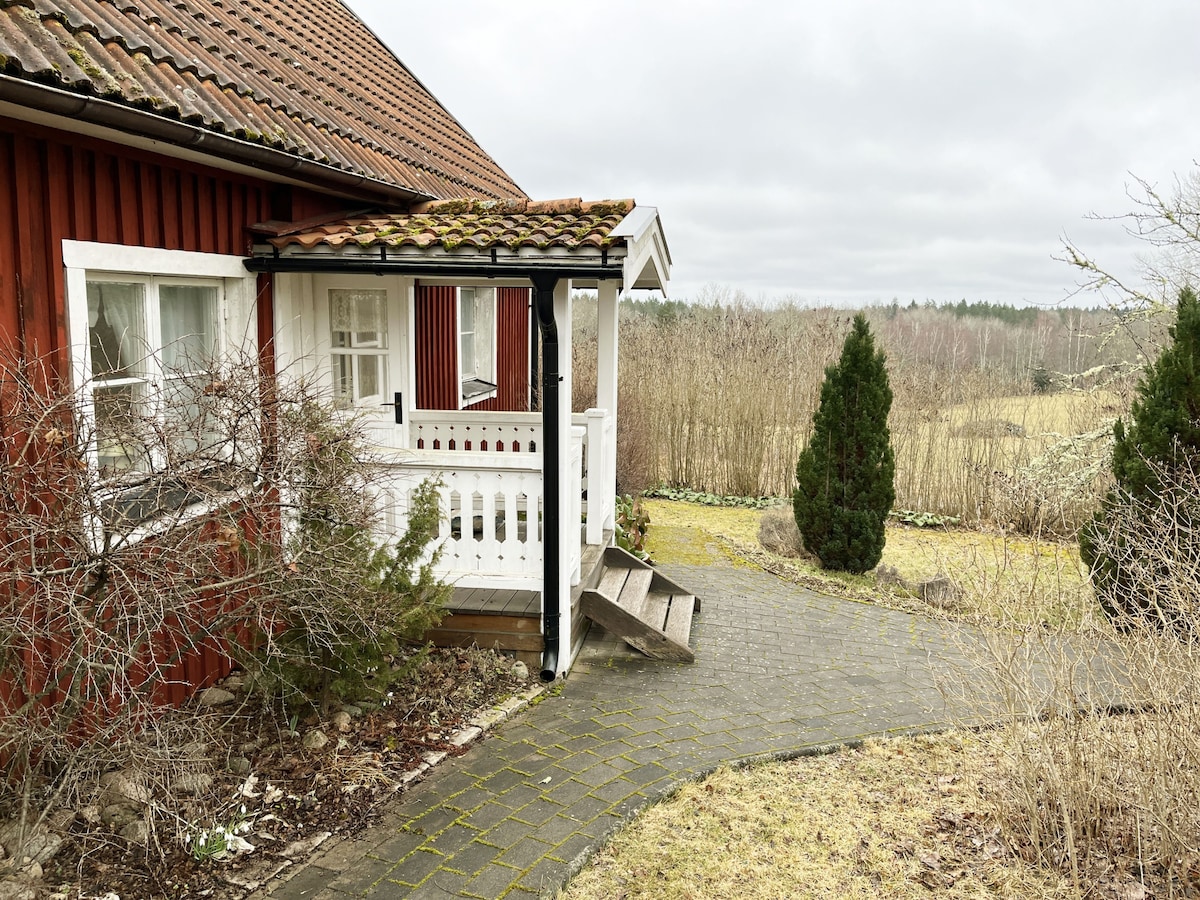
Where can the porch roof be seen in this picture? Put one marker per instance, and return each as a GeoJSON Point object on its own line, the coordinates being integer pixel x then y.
{"type": "Point", "coordinates": [585, 241]}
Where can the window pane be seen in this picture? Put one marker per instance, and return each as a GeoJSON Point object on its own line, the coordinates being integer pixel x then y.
{"type": "Point", "coordinates": [358, 318]}
{"type": "Point", "coordinates": [485, 329]}
{"type": "Point", "coordinates": [188, 314]}
{"type": "Point", "coordinates": [467, 351]}
{"type": "Point", "coordinates": [119, 444]}
{"type": "Point", "coordinates": [368, 376]}
{"type": "Point", "coordinates": [343, 377]}
{"type": "Point", "coordinates": [189, 417]}
{"type": "Point", "coordinates": [115, 328]}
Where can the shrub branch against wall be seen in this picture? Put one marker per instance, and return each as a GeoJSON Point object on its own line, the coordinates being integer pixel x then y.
{"type": "Point", "coordinates": [234, 522]}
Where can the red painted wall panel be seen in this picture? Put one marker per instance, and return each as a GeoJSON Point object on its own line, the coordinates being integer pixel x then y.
{"type": "Point", "coordinates": [437, 349]}
{"type": "Point", "coordinates": [56, 186]}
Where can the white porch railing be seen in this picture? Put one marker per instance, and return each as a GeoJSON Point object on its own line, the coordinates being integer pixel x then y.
{"type": "Point", "coordinates": [491, 532]}
{"type": "Point", "coordinates": [475, 432]}
{"type": "Point", "coordinates": [489, 433]}
{"type": "Point", "coordinates": [599, 451]}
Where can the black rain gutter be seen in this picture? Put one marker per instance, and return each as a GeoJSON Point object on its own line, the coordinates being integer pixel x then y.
{"type": "Point", "coordinates": [402, 265]}
{"type": "Point", "coordinates": [543, 301]}
{"type": "Point", "coordinates": [108, 114]}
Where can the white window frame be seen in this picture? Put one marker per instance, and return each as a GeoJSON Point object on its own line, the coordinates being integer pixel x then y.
{"type": "Point", "coordinates": [236, 323]}
{"type": "Point", "coordinates": [477, 385]}
{"type": "Point", "coordinates": [380, 351]}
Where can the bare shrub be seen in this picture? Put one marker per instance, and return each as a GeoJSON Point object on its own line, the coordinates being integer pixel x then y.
{"type": "Point", "coordinates": [719, 397]}
{"type": "Point", "coordinates": [1103, 761]}
{"type": "Point", "coordinates": [146, 543]}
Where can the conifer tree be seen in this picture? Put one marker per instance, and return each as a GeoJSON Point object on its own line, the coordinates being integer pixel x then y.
{"type": "Point", "coordinates": [1155, 457]}
{"type": "Point", "coordinates": [844, 477]}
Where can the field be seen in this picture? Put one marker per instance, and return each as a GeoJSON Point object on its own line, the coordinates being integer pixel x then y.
{"type": "Point", "coordinates": [721, 398]}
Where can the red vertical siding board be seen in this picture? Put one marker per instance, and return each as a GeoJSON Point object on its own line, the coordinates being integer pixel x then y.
{"type": "Point", "coordinates": [169, 194]}
{"type": "Point", "coordinates": [265, 309]}
{"type": "Point", "coordinates": [58, 225]}
{"type": "Point", "coordinates": [129, 211]}
{"type": "Point", "coordinates": [187, 209]}
{"type": "Point", "coordinates": [436, 347]}
{"type": "Point", "coordinates": [8, 246]}
{"type": "Point", "coordinates": [83, 193]}
{"type": "Point", "coordinates": [222, 215]}
{"type": "Point", "coordinates": [207, 198]}
{"type": "Point", "coordinates": [512, 340]}
{"type": "Point", "coordinates": [150, 195]}
{"type": "Point", "coordinates": [33, 288]}
{"type": "Point", "coordinates": [235, 223]}
{"type": "Point", "coordinates": [105, 207]}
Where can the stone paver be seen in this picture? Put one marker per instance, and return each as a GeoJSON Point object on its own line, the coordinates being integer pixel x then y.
{"type": "Point", "coordinates": [779, 671]}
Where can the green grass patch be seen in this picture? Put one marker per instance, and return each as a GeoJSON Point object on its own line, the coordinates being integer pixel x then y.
{"type": "Point", "coordinates": [999, 577]}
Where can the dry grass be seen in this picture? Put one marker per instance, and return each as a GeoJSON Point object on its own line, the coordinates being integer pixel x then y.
{"type": "Point", "coordinates": [721, 399]}
{"type": "Point", "coordinates": [1001, 577]}
{"type": "Point", "coordinates": [1064, 801]}
{"type": "Point", "coordinates": [893, 819]}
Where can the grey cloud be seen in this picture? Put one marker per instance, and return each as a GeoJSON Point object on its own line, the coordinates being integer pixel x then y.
{"type": "Point", "coordinates": [849, 151]}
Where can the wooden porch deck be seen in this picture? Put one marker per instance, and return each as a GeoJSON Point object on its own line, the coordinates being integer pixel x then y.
{"type": "Point", "coordinates": [511, 620]}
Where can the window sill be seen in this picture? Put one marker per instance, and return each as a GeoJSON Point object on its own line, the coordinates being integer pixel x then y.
{"type": "Point", "coordinates": [133, 514]}
{"type": "Point", "coordinates": [476, 390]}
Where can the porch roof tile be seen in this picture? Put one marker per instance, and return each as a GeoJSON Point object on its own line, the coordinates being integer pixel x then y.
{"type": "Point", "coordinates": [447, 225]}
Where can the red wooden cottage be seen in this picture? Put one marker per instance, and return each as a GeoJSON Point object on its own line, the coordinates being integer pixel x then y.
{"type": "Point", "coordinates": [266, 176]}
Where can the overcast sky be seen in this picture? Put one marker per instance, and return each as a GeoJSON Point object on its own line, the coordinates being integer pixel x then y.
{"type": "Point", "coordinates": [843, 152]}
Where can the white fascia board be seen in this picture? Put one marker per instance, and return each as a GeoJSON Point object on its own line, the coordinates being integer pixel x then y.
{"type": "Point", "coordinates": [648, 261]}
{"type": "Point", "coordinates": [96, 257]}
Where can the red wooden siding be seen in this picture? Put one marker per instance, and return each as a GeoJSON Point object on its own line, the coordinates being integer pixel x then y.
{"type": "Point", "coordinates": [437, 349]}
{"type": "Point", "coordinates": [436, 352]}
{"type": "Point", "coordinates": [56, 186]}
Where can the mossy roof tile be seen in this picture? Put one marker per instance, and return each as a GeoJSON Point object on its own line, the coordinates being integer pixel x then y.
{"type": "Point", "coordinates": [512, 223]}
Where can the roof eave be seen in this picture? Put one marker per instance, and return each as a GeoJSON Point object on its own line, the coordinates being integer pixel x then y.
{"type": "Point", "coordinates": [495, 263]}
{"type": "Point", "coordinates": [123, 120]}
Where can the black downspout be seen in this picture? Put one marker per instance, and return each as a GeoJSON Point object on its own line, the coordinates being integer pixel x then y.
{"type": "Point", "coordinates": [543, 301]}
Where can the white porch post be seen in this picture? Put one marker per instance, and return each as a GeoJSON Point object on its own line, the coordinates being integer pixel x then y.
{"type": "Point", "coordinates": [568, 531]}
{"type": "Point", "coordinates": [607, 337]}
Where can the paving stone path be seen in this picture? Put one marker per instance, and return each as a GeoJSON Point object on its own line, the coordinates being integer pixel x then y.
{"type": "Point", "coordinates": [778, 670]}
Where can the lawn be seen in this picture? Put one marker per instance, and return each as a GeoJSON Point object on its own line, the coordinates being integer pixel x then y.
{"type": "Point", "coordinates": [1001, 577]}
{"type": "Point", "coordinates": [958, 815]}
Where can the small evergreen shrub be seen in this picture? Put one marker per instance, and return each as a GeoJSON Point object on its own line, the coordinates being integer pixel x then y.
{"type": "Point", "coordinates": [1154, 461]}
{"type": "Point", "coordinates": [845, 475]}
{"type": "Point", "coordinates": [632, 523]}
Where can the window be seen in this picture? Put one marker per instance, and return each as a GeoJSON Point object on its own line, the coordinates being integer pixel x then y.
{"type": "Point", "coordinates": [358, 325]}
{"type": "Point", "coordinates": [153, 345]}
{"type": "Point", "coordinates": [477, 343]}
{"type": "Point", "coordinates": [149, 331]}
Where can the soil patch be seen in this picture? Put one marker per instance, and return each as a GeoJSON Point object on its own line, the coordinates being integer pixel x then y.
{"type": "Point", "coordinates": [216, 798]}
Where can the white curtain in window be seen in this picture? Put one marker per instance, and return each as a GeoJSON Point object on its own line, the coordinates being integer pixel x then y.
{"type": "Point", "coordinates": [188, 314]}
{"type": "Point", "coordinates": [358, 313]}
{"type": "Point", "coordinates": [115, 319]}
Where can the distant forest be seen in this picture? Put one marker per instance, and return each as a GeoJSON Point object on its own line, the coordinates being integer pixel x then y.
{"type": "Point", "coordinates": [1039, 348]}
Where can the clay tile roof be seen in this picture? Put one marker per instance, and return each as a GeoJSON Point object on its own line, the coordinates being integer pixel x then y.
{"type": "Point", "coordinates": [301, 76]}
{"type": "Point", "coordinates": [451, 224]}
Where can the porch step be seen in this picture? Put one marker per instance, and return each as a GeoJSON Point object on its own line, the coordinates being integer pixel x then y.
{"type": "Point", "coordinates": [637, 602]}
